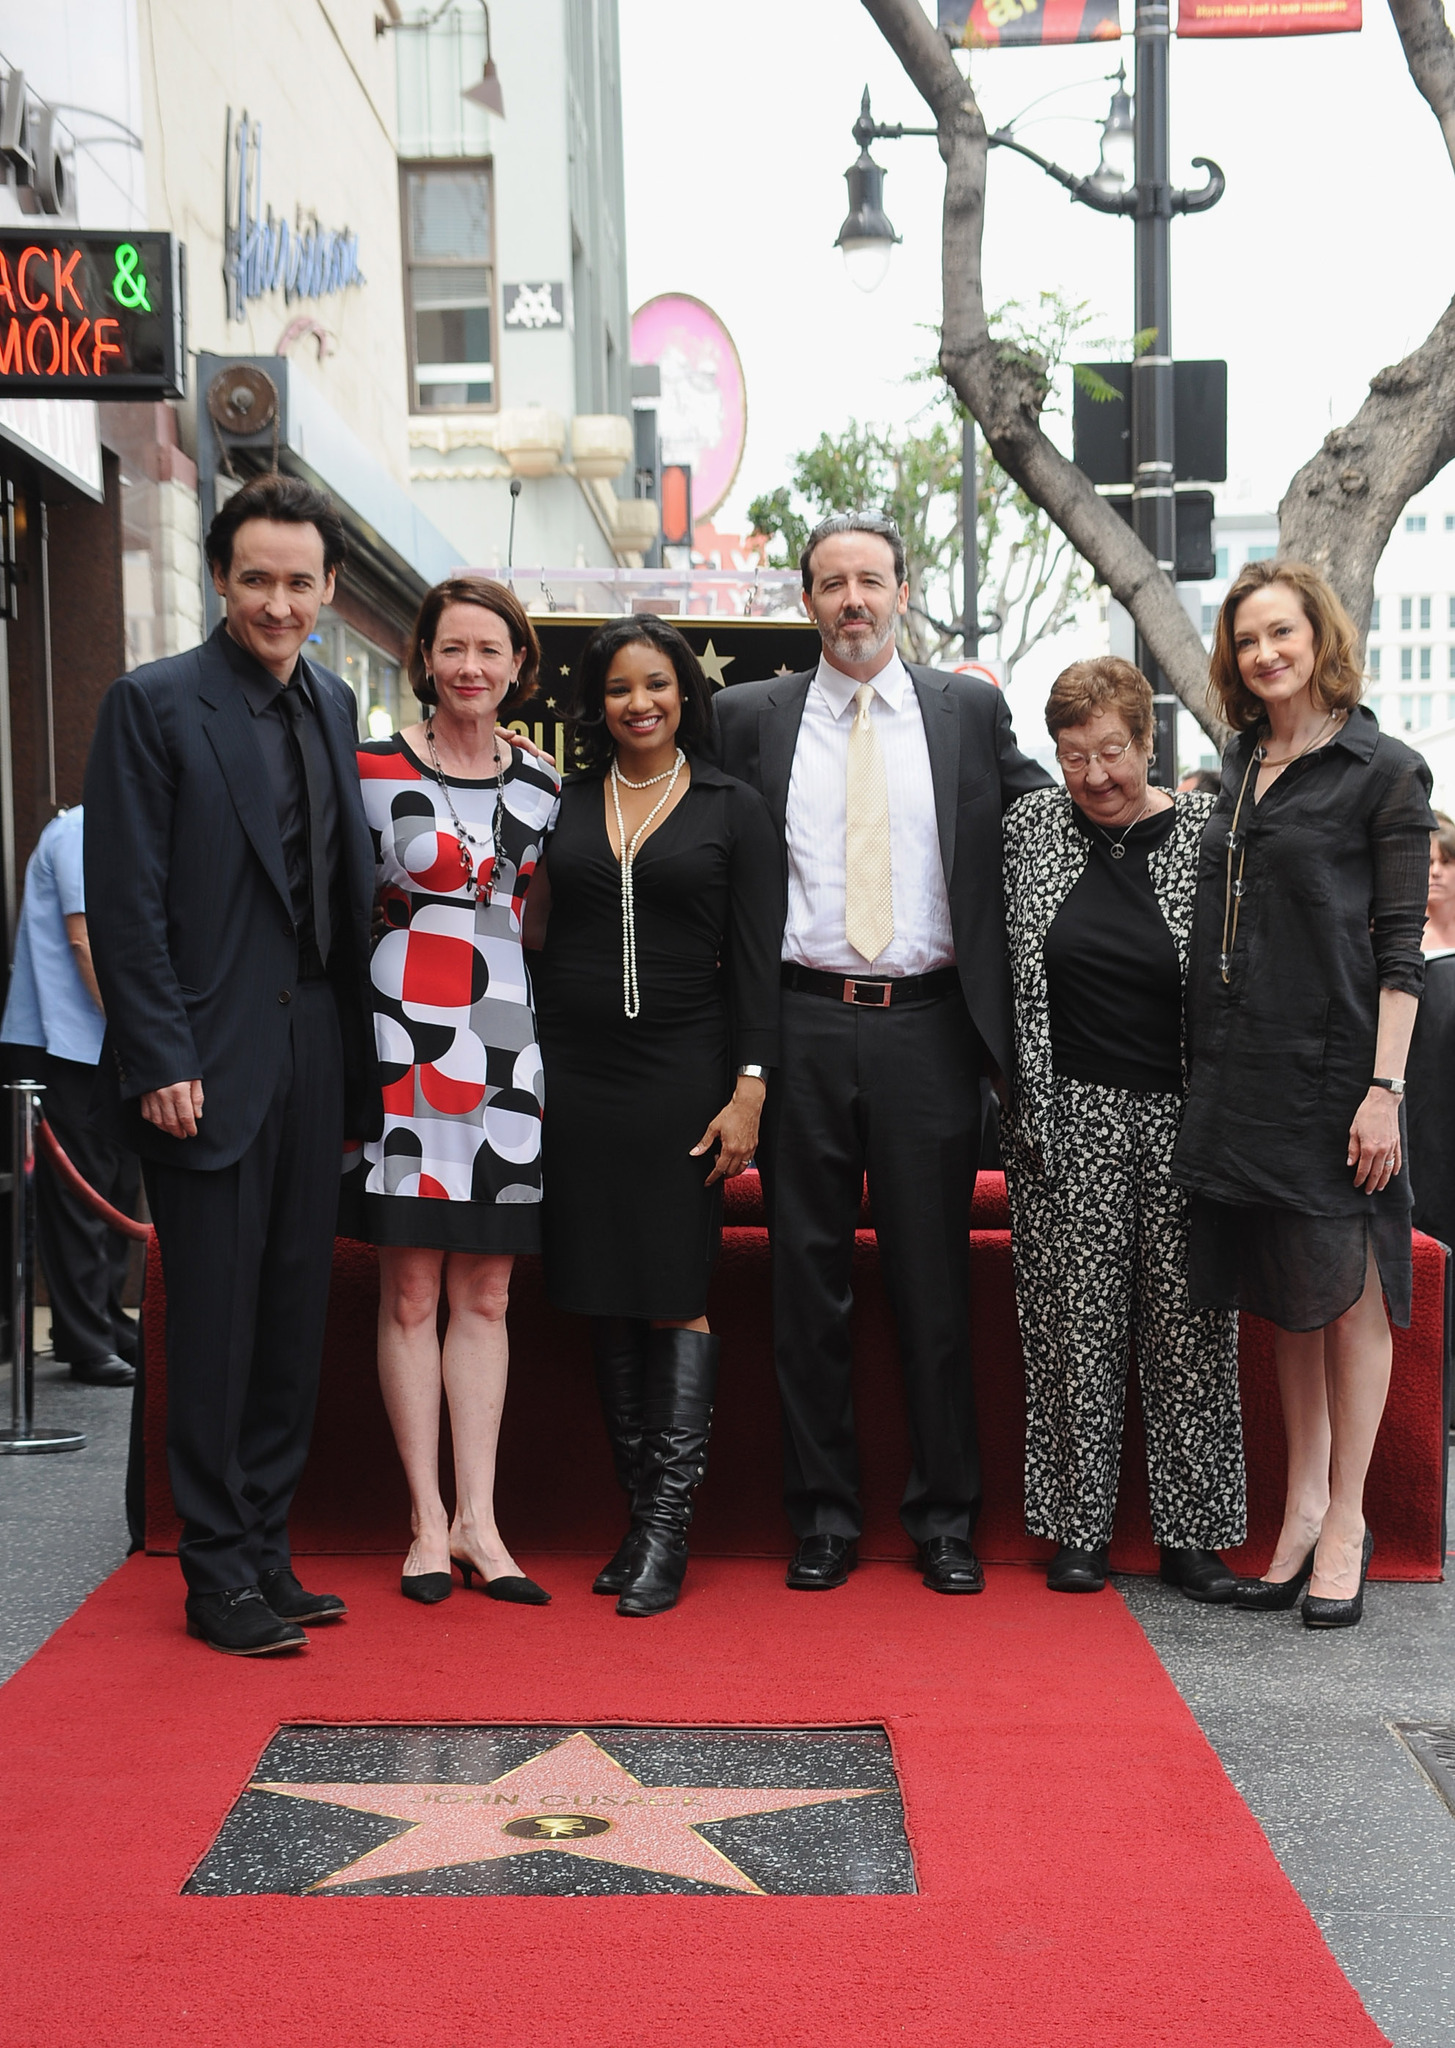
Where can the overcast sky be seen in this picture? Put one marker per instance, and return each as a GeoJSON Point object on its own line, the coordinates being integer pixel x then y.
{"type": "Point", "coordinates": [1332, 253]}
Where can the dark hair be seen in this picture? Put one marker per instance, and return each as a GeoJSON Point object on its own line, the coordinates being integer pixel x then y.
{"type": "Point", "coordinates": [877, 523]}
{"type": "Point", "coordinates": [1104, 682]}
{"type": "Point", "coordinates": [587, 738]}
{"type": "Point", "coordinates": [491, 597]}
{"type": "Point", "coordinates": [288, 501]}
{"type": "Point", "coordinates": [1337, 682]}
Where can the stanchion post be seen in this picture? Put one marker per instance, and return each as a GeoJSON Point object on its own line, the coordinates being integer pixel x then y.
{"type": "Point", "coordinates": [22, 1434]}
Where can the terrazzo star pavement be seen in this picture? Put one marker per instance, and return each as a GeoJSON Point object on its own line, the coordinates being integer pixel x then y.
{"type": "Point", "coordinates": [1073, 1868]}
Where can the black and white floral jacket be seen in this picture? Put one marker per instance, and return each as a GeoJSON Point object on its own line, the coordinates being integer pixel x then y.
{"type": "Point", "coordinates": [1045, 857]}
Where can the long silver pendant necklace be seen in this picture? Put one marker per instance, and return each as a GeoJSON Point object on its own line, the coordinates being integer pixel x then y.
{"type": "Point", "coordinates": [630, 992]}
{"type": "Point", "coordinates": [1119, 846]}
{"type": "Point", "coordinates": [466, 840]}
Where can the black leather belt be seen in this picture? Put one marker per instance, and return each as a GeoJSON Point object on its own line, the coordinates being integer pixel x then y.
{"type": "Point", "coordinates": [871, 994]}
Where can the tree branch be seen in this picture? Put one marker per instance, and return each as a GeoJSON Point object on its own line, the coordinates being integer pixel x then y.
{"type": "Point", "coordinates": [1429, 50]}
{"type": "Point", "coordinates": [1005, 388]}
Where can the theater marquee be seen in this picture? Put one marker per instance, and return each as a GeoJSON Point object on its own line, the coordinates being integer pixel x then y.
{"type": "Point", "coordinates": [91, 316]}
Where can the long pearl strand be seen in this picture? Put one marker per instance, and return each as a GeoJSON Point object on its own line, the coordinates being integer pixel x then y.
{"type": "Point", "coordinates": [631, 994]}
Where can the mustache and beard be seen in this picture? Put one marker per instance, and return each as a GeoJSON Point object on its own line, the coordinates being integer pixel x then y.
{"type": "Point", "coordinates": [842, 646]}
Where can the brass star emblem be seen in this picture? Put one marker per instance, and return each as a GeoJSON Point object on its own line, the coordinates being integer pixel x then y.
{"type": "Point", "coordinates": [714, 663]}
{"type": "Point", "coordinates": [783, 669]}
{"type": "Point", "coordinates": [565, 668]}
{"type": "Point", "coordinates": [573, 1798]}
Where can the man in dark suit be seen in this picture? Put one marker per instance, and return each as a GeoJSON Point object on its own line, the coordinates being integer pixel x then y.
{"type": "Point", "coordinates": [889, 785]}
{"type": "Point", "coordinates": [229, 884]}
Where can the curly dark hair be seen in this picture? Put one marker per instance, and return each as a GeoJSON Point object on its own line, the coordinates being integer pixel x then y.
{"type": "Point", "coordinates": [289, 501]}
{"type": "Point", "coordinates": [588, 740]}
{"type": "Point", "coordinates": [491, 597]}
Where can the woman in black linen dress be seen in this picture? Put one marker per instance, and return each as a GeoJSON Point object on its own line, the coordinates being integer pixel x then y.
{"type": "Point", "coordinates": [657, 993]}
{"type": "Point", "coordinates": [1303, 985]}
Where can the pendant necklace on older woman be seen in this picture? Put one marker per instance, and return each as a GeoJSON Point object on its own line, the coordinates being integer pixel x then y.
{"type": "Point", "coordinates": [631, 994]}
{"type": "Point", "coordinates": [1119, 846]}
{"type": "Point", "coordinates": [465, 840]}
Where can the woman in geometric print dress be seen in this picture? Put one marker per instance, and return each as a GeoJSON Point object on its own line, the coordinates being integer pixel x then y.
{"type": "Point", "coordinates": [451, 1190]}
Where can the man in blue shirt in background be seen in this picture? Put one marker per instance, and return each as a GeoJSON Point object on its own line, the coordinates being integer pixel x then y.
{"type": "Point", "coordinates": [55, 1008]}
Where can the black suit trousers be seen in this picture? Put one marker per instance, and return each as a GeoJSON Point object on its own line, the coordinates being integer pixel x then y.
{"type": "Point", "coordinates": [896, 1092]}
{"type": "Point", "coordinates": [84, 1260]}
{"type": "Point", "coordinates": [247, 1251]}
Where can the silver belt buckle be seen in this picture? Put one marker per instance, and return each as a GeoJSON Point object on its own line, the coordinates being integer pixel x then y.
{"type": "Point", "coordinates": [879, 999]}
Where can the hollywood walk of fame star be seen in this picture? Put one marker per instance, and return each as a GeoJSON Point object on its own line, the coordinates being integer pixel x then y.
{"type": "Point", "coordinates": [783, 669]}
{"type": "Point", "coordinates": [714, 663]}
{"type": "Point", "coordinates": [571, 1797]}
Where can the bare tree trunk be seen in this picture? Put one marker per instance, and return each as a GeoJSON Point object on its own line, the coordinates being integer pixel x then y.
{"type": "Point", "coordinates": [1429, 50]}
{"type": "Point", "coordinates": [1006, 389]}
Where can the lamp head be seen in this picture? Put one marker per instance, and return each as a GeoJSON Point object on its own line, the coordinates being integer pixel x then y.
{"type": "Point", "coordinates": [1117, 171]}
{"type": "Point", "coordinates": [867, 236]}
{"type": "Point", "coordinates": [485, 92]}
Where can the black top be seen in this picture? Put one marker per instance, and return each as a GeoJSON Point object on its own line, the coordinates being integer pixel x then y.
{"type": "Point", "coordinates": [1112, 974]}
{"type": "Point", "coordinates": [280, 740]}
{"type": "Point", "coordinates": [1430, 1102]}
{"type": "Point", "coordinates": [1282, 1054]}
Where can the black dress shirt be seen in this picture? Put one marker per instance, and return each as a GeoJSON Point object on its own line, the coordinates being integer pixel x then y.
{"type": "Point", "coordinates": [280, 745]}
{"type": "Point", "coordinates": [1335, 864]}
{"type": "Point", "coordinates": [1113, 978]}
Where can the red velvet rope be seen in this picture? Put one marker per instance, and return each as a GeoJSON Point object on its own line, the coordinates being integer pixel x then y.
{"type": "Point", "coordinates": [127, 1225]}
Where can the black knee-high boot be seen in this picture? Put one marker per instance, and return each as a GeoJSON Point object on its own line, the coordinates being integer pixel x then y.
{"type": "Point", "coordinates": [620, 1350]}
{"type": "Point", "coordinates": [676, 1422]}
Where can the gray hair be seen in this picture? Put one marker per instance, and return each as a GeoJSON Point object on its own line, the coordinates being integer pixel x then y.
{"type": "Point", "coordinates": [853, 522]}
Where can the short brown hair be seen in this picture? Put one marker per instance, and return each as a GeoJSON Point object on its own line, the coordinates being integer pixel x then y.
{"type": "Point", "coordinates": [1337, 682]}
{"type": "Point", "coordinates": [1104, 683]}
{"type": "Point", "coordinates": [491, 597]}
{"type": "Point", "coordinates": [288, 500]}
{"type": "Point", "coordinates": [1444, 835]}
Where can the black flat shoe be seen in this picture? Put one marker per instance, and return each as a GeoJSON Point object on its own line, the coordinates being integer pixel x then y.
{"type": "Point", "coordinates": [1077, 1571]}
{"type": "Point", "coordinates": [951, 1566]}
{"type": "Point", "coordinates": [104, 1372]}
{"type": "Point", "coordinates": [613, 1576]}
{"type": "Point", "coordinates": [1273, 1596]}
{"type": "Point", "coordinates": [240, 1623]}
{"type": "Point", "coordinates": [1197, 1574]}
{"type": "Point", "coordinates": [518, 1591]}
{"type": "Point", "coordinates": [1341, 1613]}
{"type": "Point", "coordinates": [428, 1588]}
{"type": "Point", "coordinates": [822, 1562]}
{"type": "Point", "coordinates": [290, 1602]}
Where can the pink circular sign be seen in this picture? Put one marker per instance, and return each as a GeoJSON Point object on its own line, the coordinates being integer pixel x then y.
{"type": "Point", "coordinates": [702, 414]}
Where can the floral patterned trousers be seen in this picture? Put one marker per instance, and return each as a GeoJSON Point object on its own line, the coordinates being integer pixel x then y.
{"type": "Point", "coordinates": [1099, 1240]}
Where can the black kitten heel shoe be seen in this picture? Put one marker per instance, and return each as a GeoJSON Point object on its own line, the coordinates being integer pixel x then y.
{"type": "Point", "coordinates": [518, 1591]}
{"type": "Point", "coordinates": [1273, 1596]}
{"type": "Point", "coordinates": [1341, 1613]}
{"type": "Point", "coordinates": [428, 1588]}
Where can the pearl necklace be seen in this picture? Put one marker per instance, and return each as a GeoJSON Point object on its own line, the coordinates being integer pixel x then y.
{"type": "Point", "coordinates": [631, 994]}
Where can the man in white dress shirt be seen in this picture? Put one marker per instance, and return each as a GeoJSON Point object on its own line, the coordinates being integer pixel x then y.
{"type": "Point", "coordinates": [888, 784]}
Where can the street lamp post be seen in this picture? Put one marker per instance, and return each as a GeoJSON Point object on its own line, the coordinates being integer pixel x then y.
{"type": "Point", "coordinates": [1133, 142]}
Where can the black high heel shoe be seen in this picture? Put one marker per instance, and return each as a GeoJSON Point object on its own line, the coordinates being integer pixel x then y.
{"type": "Point", "coordinates": [518, 1591]}
{"type": "Point", "coordinates": [1318, 1613]}
{"type": "Point", "coordinates": [1273, 1596]}
{"type": "Point", "coordinates": [428, 1588]}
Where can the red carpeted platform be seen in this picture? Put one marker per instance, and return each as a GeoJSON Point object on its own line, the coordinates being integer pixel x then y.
{"type": "Point", "coordinates": [556, 1490]}
{"type": "Point", "coordinates": [1086, 1872]}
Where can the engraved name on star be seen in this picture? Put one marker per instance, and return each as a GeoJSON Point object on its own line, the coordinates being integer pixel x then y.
{"type": "Point", "coordinates": [572, 1798]}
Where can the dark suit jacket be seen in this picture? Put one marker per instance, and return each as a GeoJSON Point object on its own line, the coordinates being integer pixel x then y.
{"type": "Point", "coordinates": [188, 910]}
{"type": "Point", "coordinates": [977, 771]}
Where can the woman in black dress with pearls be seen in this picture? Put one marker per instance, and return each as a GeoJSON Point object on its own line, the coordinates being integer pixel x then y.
{"type": "Point", "coordinates": [657, 993]}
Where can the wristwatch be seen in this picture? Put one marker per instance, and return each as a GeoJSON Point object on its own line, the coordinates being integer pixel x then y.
{"type": "Point", "coordinates": [1395, 1087]}
{"type": "Point", "coordinates": [752, 1072]}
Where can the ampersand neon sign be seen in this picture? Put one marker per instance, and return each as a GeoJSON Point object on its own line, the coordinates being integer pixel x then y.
{"type": "Point", "coordinates": [129, 287]}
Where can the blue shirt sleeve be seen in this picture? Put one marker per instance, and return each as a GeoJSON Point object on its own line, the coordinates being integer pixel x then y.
{"type": "Point", "coordinates": [66, 842]}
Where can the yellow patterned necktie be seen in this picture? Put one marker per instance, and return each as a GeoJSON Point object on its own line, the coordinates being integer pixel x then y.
{"type": "Point", "coordinates": [868, 885]}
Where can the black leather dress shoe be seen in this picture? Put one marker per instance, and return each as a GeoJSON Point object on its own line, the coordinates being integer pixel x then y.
{"type": "Point", "coordinates": [1321, 1613]}
{"type": "Point", "coordinates": [1077, 1571]}
{"type": "Point", "coordinates": [240, 1623]}
{"type": "Point", "coordinates": [951, 1566]}
{"type": "Point", "coordinates": [822, 1562]}
{"type": "Point", "coordinates": [1197, 1574]}
{"type": "Point", "coordinates": [104, 1372]}
{"type": "Point", "coordinates": [289, 1601]}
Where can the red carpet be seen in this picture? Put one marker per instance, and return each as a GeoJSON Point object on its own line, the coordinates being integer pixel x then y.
{"type": "Point", "coordinates": [1087, 1874]}
{"type": "Point", "coordinates": [556, 1490]}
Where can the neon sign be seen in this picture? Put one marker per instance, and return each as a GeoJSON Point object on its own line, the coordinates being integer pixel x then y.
{"type": "Point", "coordinates": [261, 253]}
{"type": "Point", "coordinates": [91, 316]}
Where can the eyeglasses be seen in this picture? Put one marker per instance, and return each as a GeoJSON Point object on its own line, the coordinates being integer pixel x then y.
{"type": "Point", "coordinates": [1077, 764]}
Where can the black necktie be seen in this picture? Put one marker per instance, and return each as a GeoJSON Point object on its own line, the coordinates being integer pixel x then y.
{"type": "Point", "coordinates": [295, 711]}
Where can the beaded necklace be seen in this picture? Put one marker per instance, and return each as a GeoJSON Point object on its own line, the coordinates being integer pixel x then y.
{"type": "Point", "coordinates": [631, 994]}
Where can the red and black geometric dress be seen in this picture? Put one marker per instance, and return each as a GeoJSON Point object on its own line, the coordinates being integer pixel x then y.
{"type": "Point", "coordinates": [458, 1167]}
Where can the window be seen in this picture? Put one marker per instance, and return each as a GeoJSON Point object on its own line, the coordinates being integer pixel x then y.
{"type": "Point", "coordinates": [1374, 616]}
{"type": "Point", "coordinates": [1406, 614]}
{"type": "Point", "coordinates": [1210, 619]}
{"type": "Point", "coordinates": [1262, 554]}
{"type": "Point", "coordinates": [372, 675]}
{"type": "Point", "coordinates": [1424, 664]}
{"type": "Point", "coordinates": [1452, 664]}
{"type": "Point", "coordinates": [1406, 664]}
{"type": "Point", "coordinates": [1424, 710]}
{"type": "Point", "coordinates": [1414, 522]}
{"type": "Point", "coordinates": [1424, 615]}
{"type": "Point", "coordinates": [449, 283]}
{"type": "Point", "coordinates": [1407, 712]}
{"type": "Point", "coordinates": [1374, 654]}
{"type": "Point", "coordinates": [1452, 615]}
{"type": "Point", "coordinates": [1220, 562]}
{"type": "Point", "coordinates": [1450, 522]}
